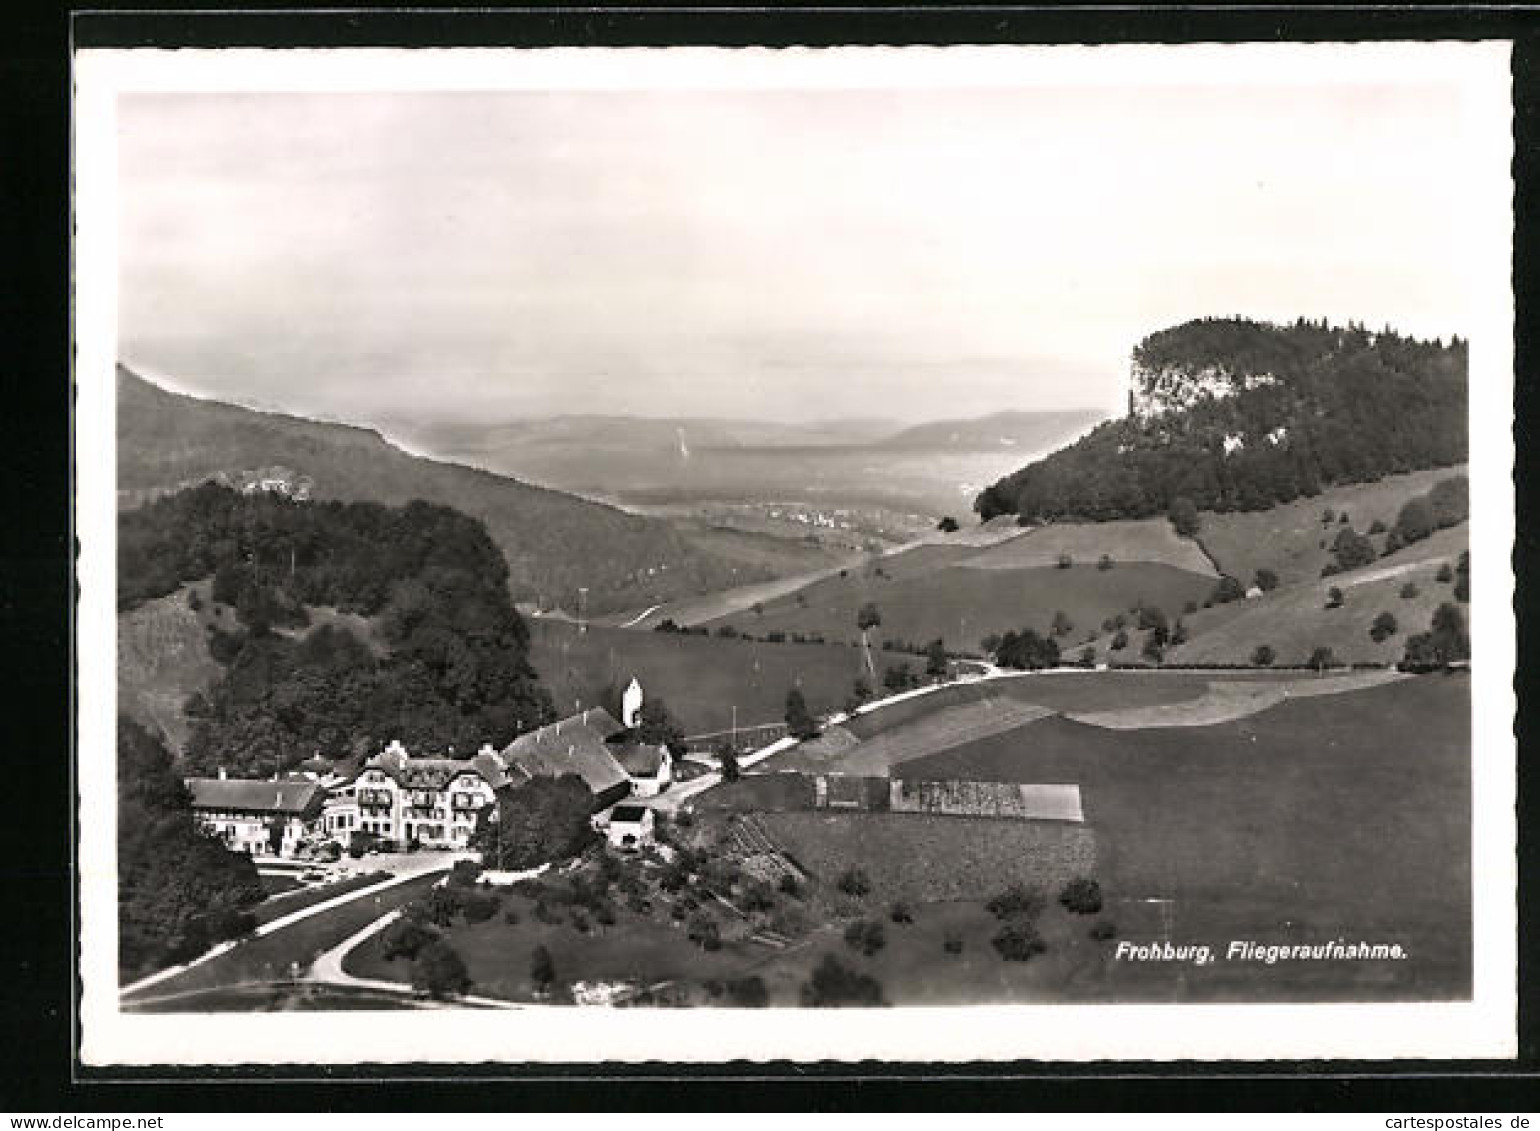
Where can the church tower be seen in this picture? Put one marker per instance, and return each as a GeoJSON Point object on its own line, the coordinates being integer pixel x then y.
{"type": "Point", "coordinates": [631, 705]}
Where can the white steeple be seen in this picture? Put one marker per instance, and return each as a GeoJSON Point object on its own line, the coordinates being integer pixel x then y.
{"type": "Point", "coordinates": [631, 705]}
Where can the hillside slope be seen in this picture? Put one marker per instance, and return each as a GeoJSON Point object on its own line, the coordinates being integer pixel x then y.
{"type": "Point", "coordinates": [553, 543]}
{"type": "Point", "coordinates": [1232, 414]}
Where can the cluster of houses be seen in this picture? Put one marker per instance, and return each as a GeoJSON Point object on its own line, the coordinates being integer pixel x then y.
{"type": "Point", "coordinates": [435, 802]}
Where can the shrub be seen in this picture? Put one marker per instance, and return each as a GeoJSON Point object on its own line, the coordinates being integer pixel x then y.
{"type": "Point", "coordinates": [1263, 656]}
{"type": "Point", "coordinates": [1065, 561]}
{"type": "Point", "coordinates": [1190, 607]}
{"type": "Point", "coordinates": [1083, 897]}
{"type": "Point", "coordinates": [1445, 574]}
{"type": "Point", "coordinates": [1229, 589]}
{"type": "Point", "coordinates": [1019, 942]}
{"type": "Point", "coordinates": [952, 944]}
{"type": "Point", "coordinates": [702, 929]}
{"type": "Point", "coordinates": [511, 916]}
{"type": "Point", "coordinates": [1328, 516]}
{"type": "Point", "coordinates": [1103, 929]}
{"type": "Point", "coordinates": [1016, 900]}
{"type": "Point", "coordinates": [439, 971]}
{"type": "Point", "coordinates": [580, 922]}
{"type": "Point", "coordinates": [1266, 580]}
{"type": "Point", "coordinates": [866, 935]}
{"type": "Point", "coordinates": [749, 992]}
{"type": "Point", "coordinates": [1410, 590]}
{"type": "Point", "coordinates": [1334, 598]}
{"type": "Point", "coordinates": [479, 907]}
{"type": "Point", "coordinates": [854, 881]}
{"type": "Point", "coordinates": [835, 984]}
{"type": "Point", "coordinates": [901, 913]}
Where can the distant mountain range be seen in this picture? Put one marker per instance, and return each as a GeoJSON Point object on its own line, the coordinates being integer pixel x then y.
{"type": "Point", "coordinates": [554, 543]}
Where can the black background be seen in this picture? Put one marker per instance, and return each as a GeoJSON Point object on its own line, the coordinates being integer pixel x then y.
{"type": "Point", "coordinates": [38, 1067]}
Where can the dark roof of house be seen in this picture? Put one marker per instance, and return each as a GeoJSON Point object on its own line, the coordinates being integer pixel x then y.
{"type": "Point", "coordinates": [575, 745]}
{"type": "Point", "coordinates": [638, 760]}
{"type": "Point", "coordinates": [629, 814]}
{"type": "Point", "coordinates": [275, 797]}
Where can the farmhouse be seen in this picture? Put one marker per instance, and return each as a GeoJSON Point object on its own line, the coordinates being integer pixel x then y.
{"type": "Point", "coordinates": [245, 813]}
{"type": "Point", "coordinates": [576, 745]}
{"type": "Point", "coordinates": [603, 752]}
{"type": "Point", "coordinates": [432, 801]}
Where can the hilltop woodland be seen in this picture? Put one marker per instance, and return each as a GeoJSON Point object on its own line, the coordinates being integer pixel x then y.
{"type": "Point", "coordinates": [1304, 406]}
{"type": "Point", "coordinates": [179, 888]}
{"type": "Point", "coordinates": [455, 669]}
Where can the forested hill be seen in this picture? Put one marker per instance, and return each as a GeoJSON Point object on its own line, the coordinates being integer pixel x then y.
{"type": "Point", "coordinates": [1241, 415]}
{"type": "Point", "coordinates": [553, 543]}
{"type": "Point", "coordinates": [456, 669]}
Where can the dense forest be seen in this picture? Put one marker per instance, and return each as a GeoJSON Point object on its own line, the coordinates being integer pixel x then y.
{"type": "Point", "coordinates": [1239, 415]}
{"type": "Point", "coordinates": [449, 662]}
{"type": "Point", "coordinates": [180, 890]}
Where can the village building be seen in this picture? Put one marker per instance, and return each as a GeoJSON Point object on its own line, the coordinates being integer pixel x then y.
{"type": "Point", "coordinates": [629, 826]}
{"type": "Point", "coordinates": [430, 801]}
{"type": "Point", "coordinates": [247, 814]}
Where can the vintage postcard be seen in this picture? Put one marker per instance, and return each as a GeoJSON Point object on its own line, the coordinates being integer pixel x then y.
{"type": "Point", "coordinates": [925, 554]}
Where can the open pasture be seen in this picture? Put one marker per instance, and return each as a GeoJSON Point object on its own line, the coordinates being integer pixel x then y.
{"type": "Point", "coordinates": [961, 606]}
{"type": "Point", "coordinates": [1341, 816]}
{"type": "Point", "coordinates": [1124, 541]}
{"type": "Point", "coordinates": [700, 678]}
{"type": "Point", "coordinates": [1288, 539]}
{"type": "Point", "coordinates": [924, 858]}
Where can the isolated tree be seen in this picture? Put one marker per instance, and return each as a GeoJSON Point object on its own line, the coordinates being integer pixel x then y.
{"type": "Point", "coordinates": [1445, 574]}
{"type": "Point", "coordinates": [1120, 641]}
{"type": "Point", "coordinates": [1384, 626]}
{"type": "Point", "coordinates": [1334, 598]}
{"type": "Point", "coordinates": [542, 970]}
{"type": "Point", "coordinates": [990, 644]}
{"type": "Point", "coordinates": [1462, 578]}
{"type": "Point", "coordinates": [1178, 633]}
{"type": "Point", "coordinates": [1065, 561]}
{"type": "Point", "coordinates": [1104, 562]}
{"type": "Point", "coordinates": [799, 722]}
{"type": "Point", "coordinates": [656, 726]}
{"type": "Point", "coordinates": [1062, 625]}
{"type": "Point", "coordinates": [1409, 591]}
{"type": "Point", "coordinates": [947, 525]}
{"type": "Point", "coordinates": [1088, 657]}
{"type": "Point", "coordinates": [935, 658]}
{"type": "Point", "coordinates": [730, 769]}
{"type": "Point", "coordinates": [898, 677]}
{"type": "Point", "coordinates": [1266, 580]}
{"type": "Point", "coordinates": [1263, 656]}
{"type": "Point", "coordinates": [1352, 549]}
{"type": "Point", "coordinates": [1322, 658]}
{"type": "Point", "coordinates": [868, 618]}
{"type": "Point", "coordinates": [1184, 516]}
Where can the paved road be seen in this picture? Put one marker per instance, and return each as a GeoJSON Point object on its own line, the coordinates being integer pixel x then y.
{"type": "Point", "coordinates": [410, 867]}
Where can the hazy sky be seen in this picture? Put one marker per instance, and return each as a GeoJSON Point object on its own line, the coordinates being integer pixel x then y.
{"type": "Point", "coordinates": [915, 254]}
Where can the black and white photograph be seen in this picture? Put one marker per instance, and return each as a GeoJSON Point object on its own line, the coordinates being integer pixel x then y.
{"type": "Point", "coordinates": [858, 553]}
